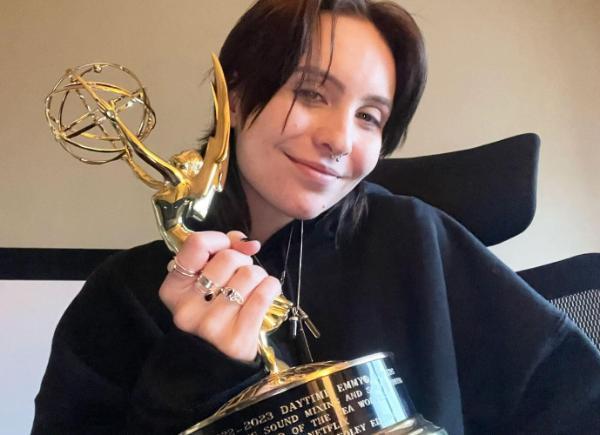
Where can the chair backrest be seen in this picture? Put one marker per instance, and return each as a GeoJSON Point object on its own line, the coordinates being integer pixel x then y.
{"type": "Point", "coordinates": [490, 189]}
{"type": "Point", "coordinates": [573, 285]}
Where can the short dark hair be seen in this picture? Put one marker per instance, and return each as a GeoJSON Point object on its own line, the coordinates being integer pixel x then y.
{"type": "Point", "coordinates": [264, 48]}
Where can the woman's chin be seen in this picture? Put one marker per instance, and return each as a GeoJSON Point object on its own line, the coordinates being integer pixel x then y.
{"type": "Point", "coordinates": [309, 212]}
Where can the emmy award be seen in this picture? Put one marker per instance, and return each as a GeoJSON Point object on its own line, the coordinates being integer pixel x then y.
{"type": "Point", "coordinates": [99, 121]}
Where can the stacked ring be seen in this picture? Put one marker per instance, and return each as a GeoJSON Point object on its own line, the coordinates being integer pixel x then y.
{"type": "Point", "coordinates": [174, 266]}
{"type": "Point", "coordinates": [206, 287]}
{"type": "Point", "coordinates": [232, 294]}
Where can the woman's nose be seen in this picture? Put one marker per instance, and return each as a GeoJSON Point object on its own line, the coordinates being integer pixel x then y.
{"type": "Point", "coordinates": [335, 136]}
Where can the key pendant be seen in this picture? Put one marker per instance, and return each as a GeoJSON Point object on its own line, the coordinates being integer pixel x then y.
{"type": "Point", "coordinates": [309, 323]}
{"type": "Point", "coordinates": [294, 322]}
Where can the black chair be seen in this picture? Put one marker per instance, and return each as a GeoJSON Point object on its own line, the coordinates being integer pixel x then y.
{"type": "Point", "coordinates": [573, 285]}
{"type": "Point", "coordinates": [490, 189]}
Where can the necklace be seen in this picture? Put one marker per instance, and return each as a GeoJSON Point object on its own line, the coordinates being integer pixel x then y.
{"type": "Point", "coordinates": [298, 317]}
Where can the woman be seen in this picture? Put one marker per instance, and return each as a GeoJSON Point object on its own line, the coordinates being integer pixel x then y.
{"type": "Point", "coordinates": [320, 90]}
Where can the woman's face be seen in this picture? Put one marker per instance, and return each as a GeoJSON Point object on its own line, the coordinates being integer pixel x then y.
{"type": "Point", "coordinates": [287, 169]}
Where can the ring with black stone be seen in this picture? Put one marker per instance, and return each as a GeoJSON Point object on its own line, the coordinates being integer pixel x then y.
{"type": "Point", "coordinates": [207, 287]}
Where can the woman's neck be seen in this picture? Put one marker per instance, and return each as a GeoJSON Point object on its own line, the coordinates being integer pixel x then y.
{"type": "Point", "coordinates": [266, 220]}
{"type": "Point", "coordinates": [264, 226]}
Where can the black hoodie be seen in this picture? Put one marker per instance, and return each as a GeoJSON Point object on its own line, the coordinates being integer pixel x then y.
{"type": "Point", "coordinates": [479, 351]}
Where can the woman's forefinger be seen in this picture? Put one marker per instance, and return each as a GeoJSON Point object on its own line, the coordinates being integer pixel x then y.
{"type": "Point", "coordinates": [199, 247]}
{"type": "Point", "coordinates": [192, 257]}
{"type": "Point", "coordinates": [240, 243]}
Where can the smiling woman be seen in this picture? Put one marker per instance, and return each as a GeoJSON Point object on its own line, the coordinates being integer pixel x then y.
{"type": "Point", "coordinates": [330, 106]}
{"type": "Point", "coordinates": [319, 91]}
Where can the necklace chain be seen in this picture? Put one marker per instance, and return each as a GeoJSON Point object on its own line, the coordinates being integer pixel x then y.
{"type": "Point", "coordinates": [298, 315]}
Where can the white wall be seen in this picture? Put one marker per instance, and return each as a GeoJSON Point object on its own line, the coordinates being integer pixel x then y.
{"type": "Point", "coordinates": [29, 313]}
{"type": "Point", "coordinates": [497, 68]}
{"type": "Point", "coordinates": [502, 67]}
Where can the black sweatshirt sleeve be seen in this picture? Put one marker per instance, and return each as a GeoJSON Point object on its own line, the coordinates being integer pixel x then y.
{"type": "Point", "coordinates": [563, 389]}
{"type": "Point", "coordinates": [506, 360]}
{"type": "Point", "coordinates": [119, 365]}
{"type": "Point", "coordinates": [524, 367]}
{"type": "Point", "coordinates": [184, 379]}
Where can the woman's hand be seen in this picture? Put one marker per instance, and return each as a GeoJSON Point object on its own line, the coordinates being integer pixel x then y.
{"type": "Point", "coordinates": [225, 259]}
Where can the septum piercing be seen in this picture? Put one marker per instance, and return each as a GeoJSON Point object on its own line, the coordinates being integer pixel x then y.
{"type": "Point", "coordinates": [338, 157]}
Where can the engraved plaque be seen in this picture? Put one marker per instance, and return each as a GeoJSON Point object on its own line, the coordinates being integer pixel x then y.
{"type": "Point", "coordinates": [363, 396]}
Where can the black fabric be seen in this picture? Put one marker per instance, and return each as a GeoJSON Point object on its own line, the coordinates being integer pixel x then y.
{"type": "Point", "coordinates": [490, 189]}
{"type": "Point", "coordinates": [50, 264]}
{"type": "Point", "coordinates": [480, 352]}
{"type": "Point", "coordinates": [565, 277]}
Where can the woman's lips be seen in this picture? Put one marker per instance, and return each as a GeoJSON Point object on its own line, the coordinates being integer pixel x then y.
{"type": "Point", "coordinates": [315, 168]}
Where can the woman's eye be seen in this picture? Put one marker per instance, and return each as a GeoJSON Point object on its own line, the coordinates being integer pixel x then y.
{"type": "Point", "coordinates": [371, 119]}
{"type": "Point", "coordinates": [309, 95]}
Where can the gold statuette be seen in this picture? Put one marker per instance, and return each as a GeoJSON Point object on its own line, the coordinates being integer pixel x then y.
{"type": "Point", "coordinates": [190, 180]}
{"type": "Point", "coordinates": [90, 117]}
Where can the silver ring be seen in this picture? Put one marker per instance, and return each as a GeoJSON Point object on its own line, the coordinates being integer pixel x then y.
{"type": "Point", "coordinates": [207, 287]}
{"type": "Point", "coordinates": [175, 266]}
{"type": "Point", "coordinates": [232, 294]}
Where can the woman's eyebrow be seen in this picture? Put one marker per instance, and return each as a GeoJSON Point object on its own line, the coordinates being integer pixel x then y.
{"type": "Point", "coordinates": [321, 74]}
{"type": "Point", "coordinates": [324, 76]}
{"type": "Point", "coordinates": [376, 99]}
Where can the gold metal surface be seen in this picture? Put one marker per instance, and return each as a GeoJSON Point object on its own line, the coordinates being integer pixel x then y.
{"type": "Point", "coordinates": [277, 383]}
{"type": "Point", "coordinates": [189, 179]}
